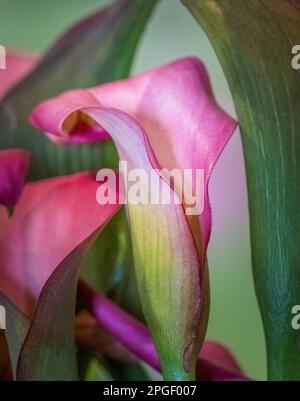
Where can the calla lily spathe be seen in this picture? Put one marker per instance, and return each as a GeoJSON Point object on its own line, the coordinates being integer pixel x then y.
{"type": "Point", "coordinates": [164, 118]}
{"type": "Point", "coordinates": [48, 222]}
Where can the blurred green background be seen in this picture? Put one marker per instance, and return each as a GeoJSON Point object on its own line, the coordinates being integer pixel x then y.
{"type": "Point", "coordinates": [172, 33]}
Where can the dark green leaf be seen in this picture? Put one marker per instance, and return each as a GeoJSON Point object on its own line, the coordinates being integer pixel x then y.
{"type": "Point", "coordinates": [49, 351]}
{"type": "Point", "coordinates": [17, 326]}
{"type": "Point", "coordinates": [254, 40]}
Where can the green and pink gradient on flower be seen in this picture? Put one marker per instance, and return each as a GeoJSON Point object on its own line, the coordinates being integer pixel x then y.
{"type": "Point", "coordinates": [163, 118]}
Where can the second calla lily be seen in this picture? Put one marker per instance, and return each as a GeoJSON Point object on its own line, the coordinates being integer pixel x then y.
{"type": "Point", "coordinates": [31, 246]}
{"type": "Point", "coordinates": [166, 118]}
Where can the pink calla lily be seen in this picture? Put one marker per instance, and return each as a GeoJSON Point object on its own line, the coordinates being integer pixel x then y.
{"type": "Point", "coordinates": [51, 218]}
{"type": "Point", "coordinates": [165, 118]}
{"type": "Point", "coordinates": [175, 106]}
{"type": "Point", "coordinates": [18, 282]}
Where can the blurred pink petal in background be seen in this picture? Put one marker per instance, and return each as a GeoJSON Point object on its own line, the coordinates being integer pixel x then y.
{"type": "Point", "coordinates": [18, 64]}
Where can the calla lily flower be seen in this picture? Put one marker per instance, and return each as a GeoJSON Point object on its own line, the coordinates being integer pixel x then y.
{"type": "Point", "coordinates": [18, 283]}
{"type": "Point", "coordinates": [51, 218]}
{"type": "Point", "coordinates": [166, 118]}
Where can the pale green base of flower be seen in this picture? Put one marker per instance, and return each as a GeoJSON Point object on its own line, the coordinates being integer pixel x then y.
{"type": "Point", "coordinates": [178, 375]}
{"type": "Point", "coordinates": [173, 369]}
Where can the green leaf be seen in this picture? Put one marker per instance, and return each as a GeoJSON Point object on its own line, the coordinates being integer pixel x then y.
{"type": "Point", "coordinates": [17, 326]}
{"type": "Point", "coordinates": [254, 40]}
{"type": "Point", "coordinates": [96, 50]}
{"type": "Point", "coordinates": [49, 351]}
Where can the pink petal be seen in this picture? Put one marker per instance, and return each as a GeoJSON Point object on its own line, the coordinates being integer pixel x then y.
{"type": "Point", "coordinates": [219, 356]}
{"type": "Point", "coordinates": [52, 115]}
{"type": "Point", "coordinates": [17, 66]}
{"type": "Point", "coordinates": [51, 218]}
{"type": "Point", "coordinates": [13, 169]}
{"type": "Point", "coordinates": [175, 106]}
